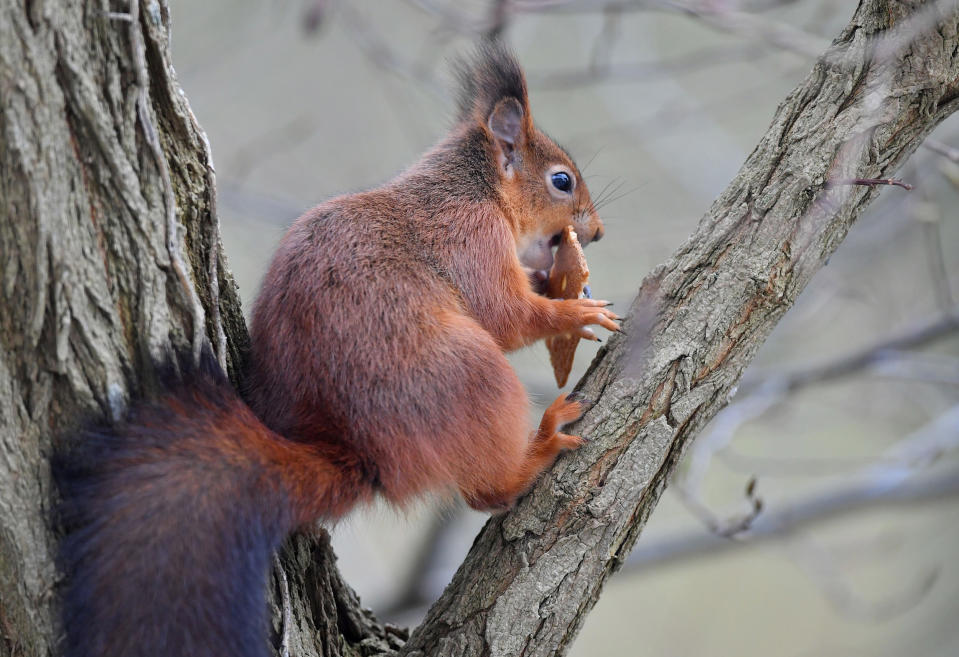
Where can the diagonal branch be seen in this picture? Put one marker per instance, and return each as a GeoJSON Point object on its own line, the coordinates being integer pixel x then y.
{"type": "Point", "coordinates": [534, 573]}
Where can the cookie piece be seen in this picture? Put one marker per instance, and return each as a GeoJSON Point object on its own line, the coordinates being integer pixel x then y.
{"type": "Point", "coordinates": [567, 279]}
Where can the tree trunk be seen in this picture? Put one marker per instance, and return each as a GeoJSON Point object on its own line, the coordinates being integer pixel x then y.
{"type": "Point", "coordinates": [111, 258]}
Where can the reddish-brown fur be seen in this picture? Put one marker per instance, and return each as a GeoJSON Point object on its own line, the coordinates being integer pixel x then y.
{"type": "Point", "coordinates": [380, 329]}
{"type": "Point", "coordinates": [377, 367]}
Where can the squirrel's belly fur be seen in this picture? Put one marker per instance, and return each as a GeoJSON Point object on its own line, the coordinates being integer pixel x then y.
{"type": "Point", "coordinates": [377, 368]}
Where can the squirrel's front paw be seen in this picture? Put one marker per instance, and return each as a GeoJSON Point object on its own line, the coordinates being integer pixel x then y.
{"type": "Point", "coordinates": [592, 312]}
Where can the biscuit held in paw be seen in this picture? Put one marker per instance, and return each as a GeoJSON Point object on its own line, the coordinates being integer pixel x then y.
{"type": "Point", "coordinates": [567, 278]}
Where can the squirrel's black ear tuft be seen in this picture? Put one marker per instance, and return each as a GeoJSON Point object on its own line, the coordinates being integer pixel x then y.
{"type": "Point", "coordinates": [490, 75]}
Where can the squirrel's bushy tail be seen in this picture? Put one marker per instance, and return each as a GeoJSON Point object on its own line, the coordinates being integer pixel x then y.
{"type": "Point", "coordinates": [171, 520]}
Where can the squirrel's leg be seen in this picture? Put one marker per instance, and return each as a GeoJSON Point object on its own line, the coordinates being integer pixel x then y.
{"type": "Point", "coordinates": [545, 443]}
{"type": "Point", "coordinates": [477, 420]}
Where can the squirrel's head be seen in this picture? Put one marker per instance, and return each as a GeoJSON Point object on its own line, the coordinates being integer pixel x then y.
{"type": "Point", "coordinates": [539, 183]}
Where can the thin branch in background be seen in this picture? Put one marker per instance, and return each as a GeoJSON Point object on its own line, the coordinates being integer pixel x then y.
{"type": "Point", "coordinates": [278, 140]}
{"type": "Point", "coordinates": [498, 20]}
{"type": "Point", "coordinates": [601, 52]}
{"type": "Point", "coordinates": [771, 392]}
{"type": "Point", "coordinates": [668, 119]}
{"type": "Point", "coordinates": [929, 216]}
{"type": "Point", "coordinates": [939, 369]}
{"type": "Point", "coordinates": [820, 567]}
{"type": "Point", "coordinates": [753, 27]}
{"type": "Point", "coordinates": [731, 525]}
{"type": "Point", "coordinates": [907, 472]}
{"type": "Point", "coordinates": [947, 151]}
{"type": "Point", "coordinates": [920, 449]}
{"type": "Point", "coordinates": [697, 61]}
{"type": "Point", "coordinates": [881, 355]}
{"type": "Point", "coordinates": [850, 496]}
{"type": "Point", "coordinates": [765, 5]}
{"type": "Point", "coordinates": [724, 427]}
{"type": "Point", "coordinates": [787, 466]}
{"type": "Point", "coordinates": [378, 51]}
{"type": "Point", "coordinates": [923, 332]}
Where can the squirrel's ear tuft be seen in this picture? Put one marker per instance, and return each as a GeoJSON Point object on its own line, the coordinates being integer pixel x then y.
{"type": "Point", "coordinates": [506, 124]}
{"type": "Point", "coordinates": [491, 75]}
{"type": "Point", "coordinates": [506, 120]}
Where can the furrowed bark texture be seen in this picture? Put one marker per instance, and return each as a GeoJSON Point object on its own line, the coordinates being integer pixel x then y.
{"type": "Point", "coordinates": [109, 259]}
{"type": "Point", "coordinates": [533, 574]}
{"type": "Point", "coordinates": [102, 166]}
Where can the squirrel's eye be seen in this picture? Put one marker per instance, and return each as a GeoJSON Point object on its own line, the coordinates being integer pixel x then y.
{"type": "Point", "coordinates": [562, 181]}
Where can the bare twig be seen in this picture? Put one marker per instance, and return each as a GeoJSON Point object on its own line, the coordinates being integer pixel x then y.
{"type": "Point", "coordinates": [929, 216]}
{"type": "Point", "coordinates": [277, 140]}
{"type": "Point", "coordinates": [781, 520]}
{"type": "Point", "coordinates": [378, 51]}
{"type": "Point", "coordinates": [938, 368]}
{"type": "Point", "coordinates": [819, 565]}
{"type": "Point", "coordinates": [753, 27]}
{"type": "Point", "coordinates": [729, 526]}
{"type": "Point", "coordinates": [945, 150]}
{"type": "Point", "coordinates": [498, 19]}
{"type": "Point", "coordinates": [696, 61]}
{"type": "Point", "coordinates": [923, 332]}
{"type": "Point", "coordinates": [770, 393]}
{"type": "Point", "coordinates": [602, 49]}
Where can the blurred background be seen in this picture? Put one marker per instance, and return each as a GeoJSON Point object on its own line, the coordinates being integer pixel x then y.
{"type": "Point", "coordinates": [818, 514]}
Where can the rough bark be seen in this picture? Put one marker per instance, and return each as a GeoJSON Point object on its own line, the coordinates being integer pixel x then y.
{"type": "Point", "coordinates": [103, 172]}
{"type": "Point", "coordinates": [111, 258]}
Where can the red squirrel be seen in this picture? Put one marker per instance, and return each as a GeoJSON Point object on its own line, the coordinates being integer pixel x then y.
{"type": "Point", "coordinates": [377, 367]}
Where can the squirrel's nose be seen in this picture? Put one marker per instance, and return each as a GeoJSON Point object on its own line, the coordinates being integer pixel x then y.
{"type": "Point", "coordinates": [598, 235]}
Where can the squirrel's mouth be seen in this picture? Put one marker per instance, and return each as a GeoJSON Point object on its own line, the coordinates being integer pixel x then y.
{"type": "Point", "coordinates": [537, 254]}
{"type": "Point", "coordinates": [537, 259]}
{"type": "Point", "coordinates": [538, 279]}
